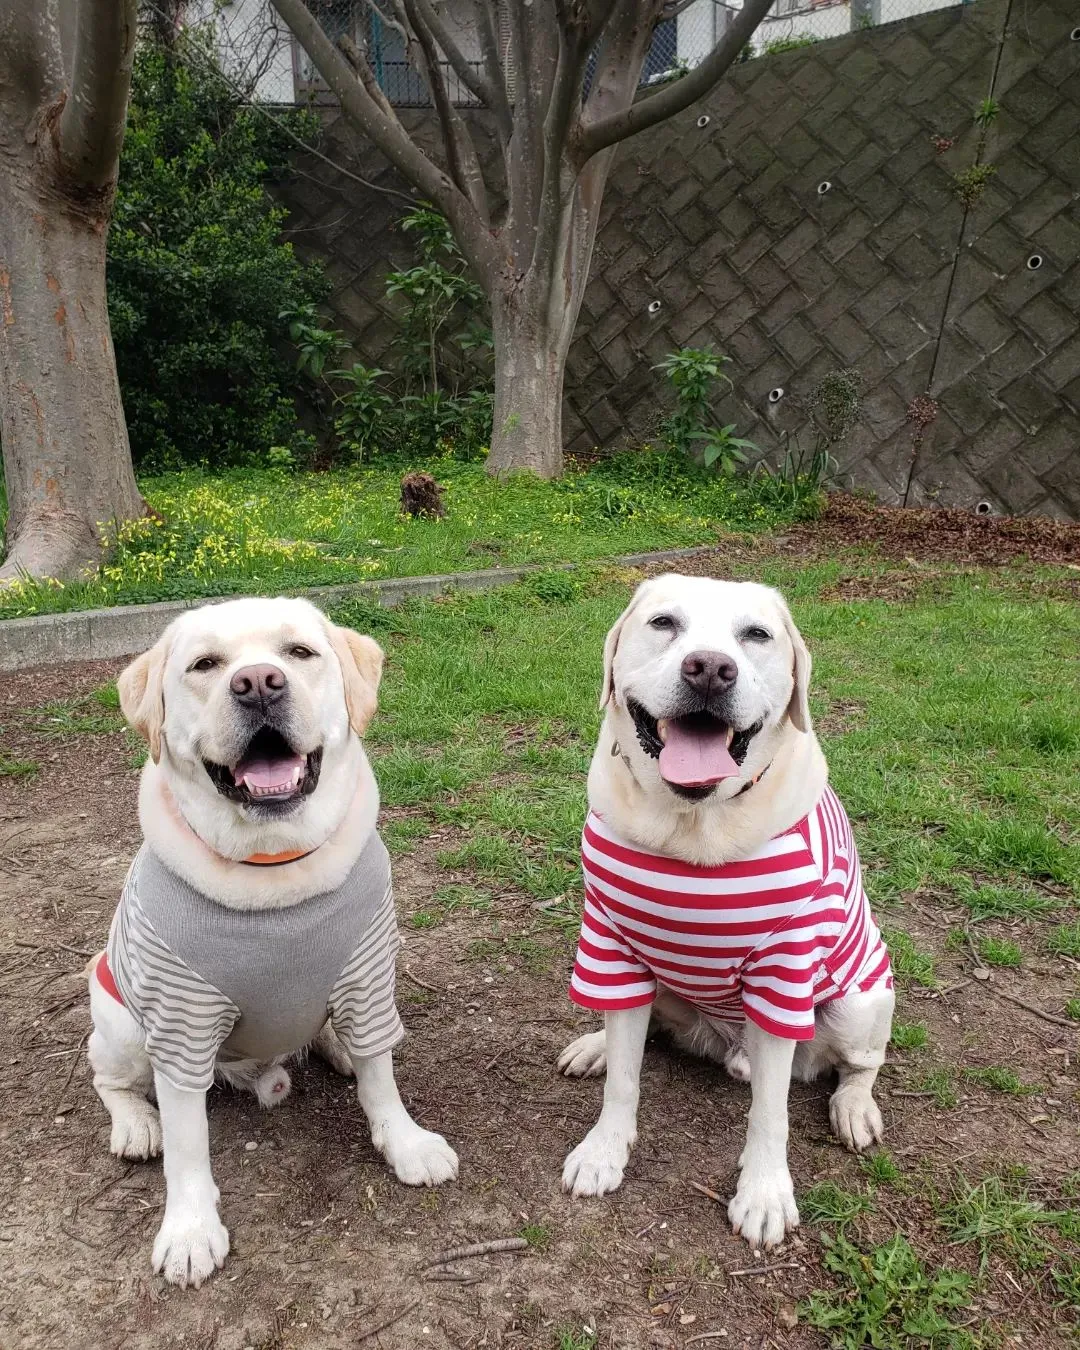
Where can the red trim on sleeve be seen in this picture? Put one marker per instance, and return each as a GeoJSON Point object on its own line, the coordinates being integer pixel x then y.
{"type": "Point", "coordinates": [105, 978]}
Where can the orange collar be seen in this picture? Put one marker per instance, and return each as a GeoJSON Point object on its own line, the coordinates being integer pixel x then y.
{"type": "Point", "coordinates": [276, 859]}
{"type": "Point", "coordinates": [255, 860]}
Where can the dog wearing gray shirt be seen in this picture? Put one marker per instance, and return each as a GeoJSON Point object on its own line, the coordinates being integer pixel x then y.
{"type": "Point", "coordinates": [257, 918]}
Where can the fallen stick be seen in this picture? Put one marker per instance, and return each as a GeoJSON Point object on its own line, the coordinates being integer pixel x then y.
{"type": "Point", "coordinates": [1031, 1008]}
{"type": "Point", "coordinates": [708, 1336]}
{"type": "Point", "coordinates": [764, 1270]}
{"type": "Point", "coordinates": [431, 988]}
{"type": "Point", "coordinates": [70, 1074]}
{"type": "Point", "coordinates": [704, 1190]}
{"type": "Point", "coordinates": [387, 1322]}
{"type": "Point", "coordinates": [514, 1244]}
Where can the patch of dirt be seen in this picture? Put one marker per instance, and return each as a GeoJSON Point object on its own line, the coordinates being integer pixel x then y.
{"type": "Point", "coordinates": [327, 1246]}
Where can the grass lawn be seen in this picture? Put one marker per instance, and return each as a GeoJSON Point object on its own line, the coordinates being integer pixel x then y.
{"type": "Point", "coordinates": [946, 701]}
{"type": "Point", "coordinates": [264, 531]}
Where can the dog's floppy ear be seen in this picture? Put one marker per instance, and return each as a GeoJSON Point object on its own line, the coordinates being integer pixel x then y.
{"type": "Point", "coordinates": [611, 646]}
{"type": "Point", "coordinates": [141, 687]}
{"type": "Point", "coordinates": [361, 660]}
{"type": "Point", "coordinates": [799, 707]}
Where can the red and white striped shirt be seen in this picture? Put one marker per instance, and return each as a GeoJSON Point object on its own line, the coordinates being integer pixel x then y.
{"type": "Point", "coordinates": [768, 937]}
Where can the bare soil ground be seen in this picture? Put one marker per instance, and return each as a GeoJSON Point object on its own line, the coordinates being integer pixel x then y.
{"type": "Point", "coordinates": [328, 1249]}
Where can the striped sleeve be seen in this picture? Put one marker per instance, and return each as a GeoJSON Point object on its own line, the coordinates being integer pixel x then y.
{"type": "Point", "coordinates": [361, 1005]}
{"type": "Point", "coordinates": [184, 1017]}
{"type": "Point", "coordinates": [607, 975]}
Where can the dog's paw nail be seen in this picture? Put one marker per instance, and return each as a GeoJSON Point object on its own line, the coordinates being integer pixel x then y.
{"type": "Point", "coordinates": [423, 1160]}
{"type": "Point", "coordinates": [189, 1248]}
{"type": "Point", "coordinates": [763, 1211]}
{"type": "Point", "coordinates": [596, 1166]}
{"type": "Point", "coordinates": [856, 1121]}
{"type": "Point", "coordinates": [136, 1134]}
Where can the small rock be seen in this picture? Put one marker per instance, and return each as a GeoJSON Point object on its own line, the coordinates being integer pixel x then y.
{"type": "Point", "coordinates": [251, 1145]}
{"type": "Point", "coordinates": [787, 1316]}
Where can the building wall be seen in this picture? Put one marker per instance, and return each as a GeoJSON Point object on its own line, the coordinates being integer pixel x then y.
{"type": "Point", "coordinates": [721, 221]}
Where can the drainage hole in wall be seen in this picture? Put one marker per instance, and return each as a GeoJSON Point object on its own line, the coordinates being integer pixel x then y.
{"type": "Point", "coordinates": [1074, 36]}
{"type": "Point", "coordinates": [703, 121]}
{"type": "Point", "coordinates": [775, 395]}
{"type": "Point", "coordinates": [823, 187]}
{"type": "Point", "coordinates": [1034, 262]}
{"type": "Point", "coordinates": [984, 509]}
{"type": "Point", "coordinates": [654, 306]}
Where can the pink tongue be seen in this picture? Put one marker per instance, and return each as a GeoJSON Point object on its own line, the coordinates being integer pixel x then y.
{"type": "Point", "coordinates": [270, 775]}
{"type": "Point", "coordinates": [696, 756]}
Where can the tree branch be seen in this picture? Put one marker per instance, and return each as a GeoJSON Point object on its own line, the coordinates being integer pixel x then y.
{"type": "Point", "coordinates": [388, 134]}
{"type": "Point", "coordinates": [673, 98]}
{"type": "Point", "coordinates": [475, 81]}
{"type": "Point", "coordinates": [461, 156]}
{"type": "Point", "coordinates": [364, 74]}
{"type": "Point", "coordinates": [90, 131]}
{"type": "Point", "coordinates": [493, 68]}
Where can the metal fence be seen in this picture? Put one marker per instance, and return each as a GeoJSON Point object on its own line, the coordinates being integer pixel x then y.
{"type": "Point", "coordinates": [285, 75]}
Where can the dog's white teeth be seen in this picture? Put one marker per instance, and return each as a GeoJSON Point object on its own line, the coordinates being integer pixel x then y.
{"type": "Point", "coordinates": [662, 729]}
{"type": "Point", "coordinates": [730, 735]}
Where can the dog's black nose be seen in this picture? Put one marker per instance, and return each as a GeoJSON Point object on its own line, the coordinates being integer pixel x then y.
{"type": "Point", "coordinates": [709, 672]}
{"type": "Point", "coordinates": [256, 686]}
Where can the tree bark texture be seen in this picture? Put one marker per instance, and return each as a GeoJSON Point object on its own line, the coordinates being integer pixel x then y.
{"type": "Point", "coordinates": [64, 76]}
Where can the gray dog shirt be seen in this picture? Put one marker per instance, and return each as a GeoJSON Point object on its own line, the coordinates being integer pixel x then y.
{"type": "Point", "coordinates": [205, 981]}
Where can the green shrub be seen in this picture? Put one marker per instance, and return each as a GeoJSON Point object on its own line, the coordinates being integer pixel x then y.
{"type": "Point", "coordinates": [198, 272]}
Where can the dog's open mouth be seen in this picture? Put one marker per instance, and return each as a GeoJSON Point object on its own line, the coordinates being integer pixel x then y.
{"type": "Point", "coordinates": [694, 750]}
{"type": "Point", "coordinates": [269, 773]}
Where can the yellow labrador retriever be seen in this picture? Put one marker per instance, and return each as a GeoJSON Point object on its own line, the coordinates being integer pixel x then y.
{"type": "Point", "coordinates": [723, 891]}
{"type": "Point", "coordinates": [258, 916]}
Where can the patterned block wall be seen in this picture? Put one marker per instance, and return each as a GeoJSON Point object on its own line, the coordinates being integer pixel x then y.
{"type": "Point", "coordinates": [813, 223]}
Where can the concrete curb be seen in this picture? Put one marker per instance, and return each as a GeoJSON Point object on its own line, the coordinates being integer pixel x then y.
{"type": "Point", "coordinates": [98, 634]}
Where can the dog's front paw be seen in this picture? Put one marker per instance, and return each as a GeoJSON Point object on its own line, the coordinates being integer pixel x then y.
{"type": "Point", "coordinates": [191, 1244]}
{"type": "Point", "coordinates": [585, 1057]}
{"type": "Point", "coordinates": [420, 1157]}
{"type": "Point", "coordinates": [764, 1210]}
{"type": "Point", "coordinates": [136, 1129]}
{"type": "Point", "coordinates": [596, 1166]}
{"type": "Point", "coordinates": [856, 1120]}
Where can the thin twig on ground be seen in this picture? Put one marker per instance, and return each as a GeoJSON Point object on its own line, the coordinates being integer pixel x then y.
{"type": "Point", "coordinates": [70, 1075]}
{"type": "Point", "coordinates": [765, 1270]}
{"type": "Point", "coordinates": [388, 1321]}
{"type": "Point", "coordinates": [54, 946]}
{"type": "Point", "coordinates": [1031, 1008]}
{"type": "Point", "coordinates": [704, 1190]}
{"type": "Point", "coordinates": [496, 1245]}
{"type": "Point", "coordinates": [431, 988]}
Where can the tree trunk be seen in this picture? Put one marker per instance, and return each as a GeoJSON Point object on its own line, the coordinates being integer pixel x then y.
{"type": "Point", "coordinates": [67, 464]}
{"type": "Point", "coordinates": [65, 72]}
{"type": "Point", "coordinates": [530, 361]}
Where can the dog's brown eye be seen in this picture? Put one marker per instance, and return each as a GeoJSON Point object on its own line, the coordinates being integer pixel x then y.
{"type": "Point", "coordinates": [664, 622]}
{"type": "Point", "coordinates": [301, 652]}
{"type": "Point", "coordinates": [204, 663]}
{"type": "Point", "coordinates": [757, 635]}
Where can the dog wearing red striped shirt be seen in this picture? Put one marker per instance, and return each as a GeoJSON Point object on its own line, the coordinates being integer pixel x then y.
{"type": "Point", "coordinates": [724, 899]}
